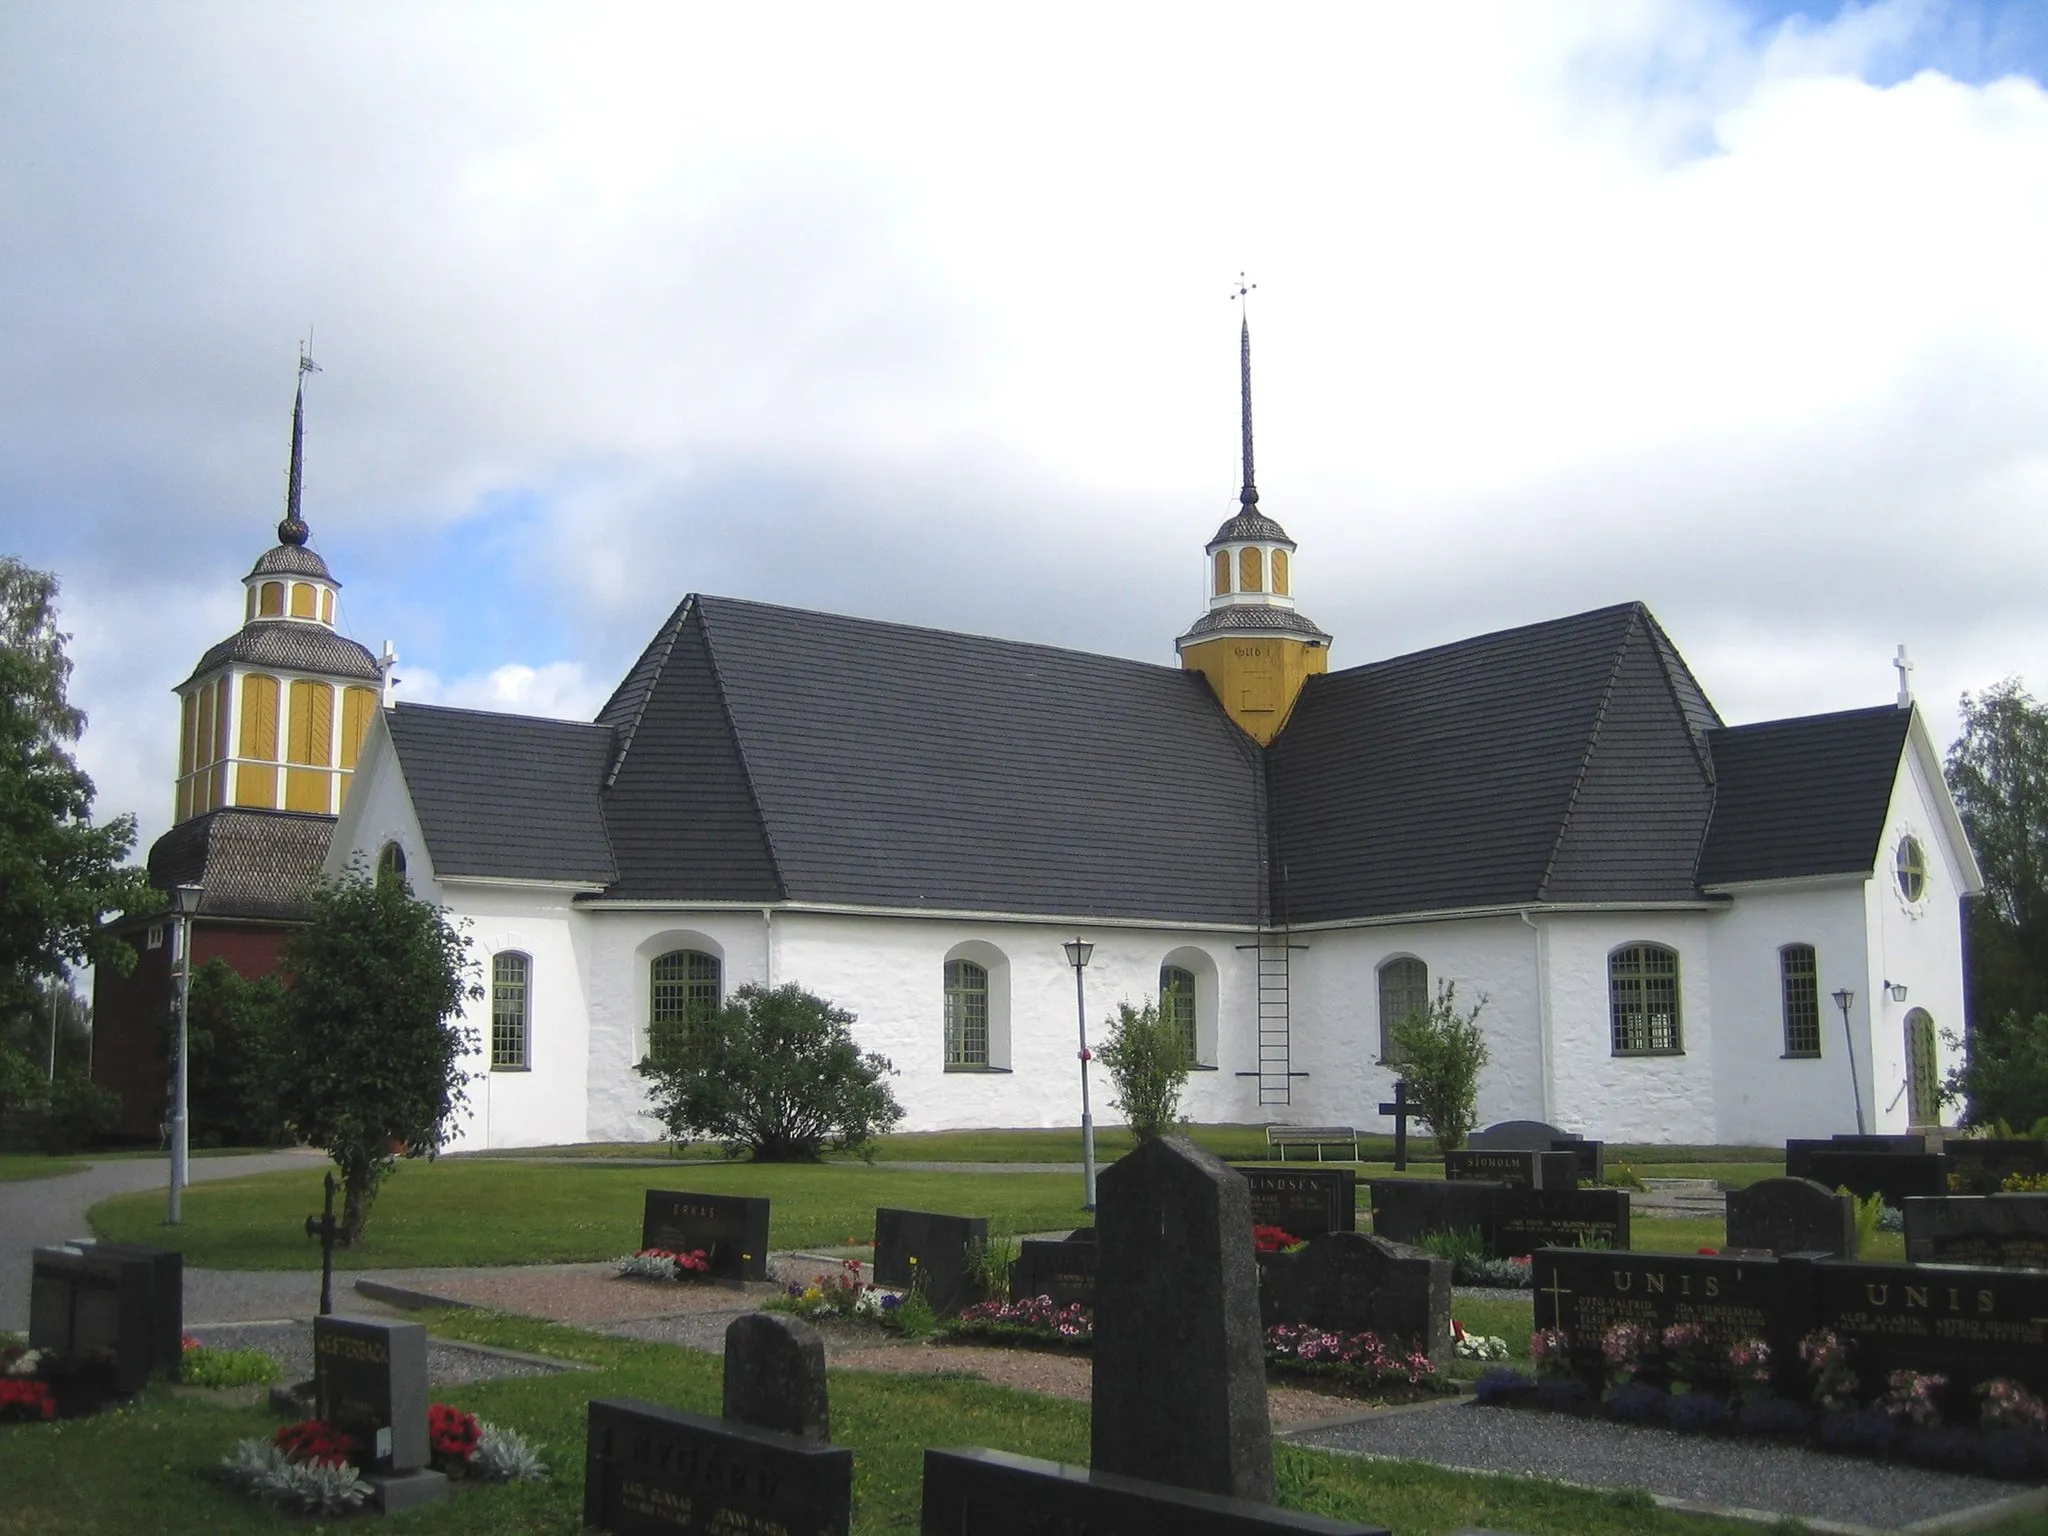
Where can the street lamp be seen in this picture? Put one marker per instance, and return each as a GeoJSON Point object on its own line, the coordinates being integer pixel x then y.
{"type": "Point", "coordinates": [185, 901]}
{"type": "Point", "coordinates": [1843, 999]}
{"type": "Point", "coordinates": [1078, 951]}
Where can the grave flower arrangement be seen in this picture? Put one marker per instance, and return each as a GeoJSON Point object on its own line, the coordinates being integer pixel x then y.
{"type": "Point", "coordinates": [25, 1398]}
{"type": "Point", "coordinates": [1476, 1346]}
{"type": "Point", "coordinates": [1362, 1363]}
{"type": "Point", "coordinates": [311, 1467]}
{"type": "Point", "coordinates": [663, 1264]}
{"type": "Point", "coordinates": [1275, 1240]}
{"type": "Point", "coordinates": [1038, 1321]}
{"type": "Point", "coordinates": [843, 1294]}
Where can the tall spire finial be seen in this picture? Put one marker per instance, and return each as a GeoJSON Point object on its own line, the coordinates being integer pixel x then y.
{"type": "Point", "coordinates": [293, 529]}
{"type": "Point", "coordinates": [1247, 498]}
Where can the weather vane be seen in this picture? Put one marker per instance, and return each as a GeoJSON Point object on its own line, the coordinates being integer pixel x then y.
{"type": "Point", "coordinates": [306, 363]}
{"type": "Point", "coordinates": [1242, 292]}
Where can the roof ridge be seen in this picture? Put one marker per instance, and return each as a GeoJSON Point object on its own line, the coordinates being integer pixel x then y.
{"type": "Point", "coordinates": [1668, 659]}
{"type": "Point", "coordinates": [732, 724]}
{"type": "Point", "coordinates": [1872, 710]}
{"type": "Point", "coordinates": [1571, 802]}
{"type": "Point", "coordinates": [624, 732]}
{"type": "Point", "coordinates": [409, 706]}
{"type": "Point", "coordinates": [1468, 641]}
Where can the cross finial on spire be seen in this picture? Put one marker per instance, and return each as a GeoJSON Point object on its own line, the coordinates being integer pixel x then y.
{"type": "Point", "coordinates": [1247, 498]}
{"type": "Point", "coordinates": [293, 529]}
{"type": "Point", "coordinates": [1905, 666]}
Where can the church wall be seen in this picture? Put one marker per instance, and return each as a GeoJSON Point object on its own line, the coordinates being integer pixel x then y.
{"type": "Point", "coordinates": [1628, 1098]}
{"type": "Point", "coordinates": [1761, 1096]}
{"type": "Point", "coordinates": [1336, 1033]}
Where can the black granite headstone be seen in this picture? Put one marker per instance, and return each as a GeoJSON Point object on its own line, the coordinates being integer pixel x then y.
{"type": "Point", "coordinates": [1303, 1202]}
{"type": "Point", "coordinates": [1351, 1283]}
{"type": "Point", "coordinates": [97, 1311]}
{"type": "Point", "coordinates": [1586, 1293]}
{"type": "Point", "coordinates": [1526, 1169]}
{"type": "Point", "coordinates": [992, 1493]}
{"type": "Point", "coordinates": [1063, 1271]}
{"type": "Point", "coordinates": [931, 1253]}
{"type": "Point", "coordinates": [370, 1381]}
{"type": "Point", "coordinates": [1896, 1172]}
{"type": "Point", "coordinates": [1527, 1219]}
{"type": "Point", "coordinates": [730, 1230]}
{"type": "Point", "coordinates": [166, 1300]}
{"type": "Point", "coordinates": [1967, 1324]}
{"type": "Point", "coordinates": [1180, 1376]}
{"type": "Point", "coordinates": [1979, 1165]}
{"type": "Point", "coordinates": [655, 1471]}
{"type": "Point", "coordinates": [775, 1375]}
{"type": "Point", "coordinates": [1792, 1216]}
{"type": "Point", "coordinates": [1407, 1210]}
{"type": "Point", "coordinates": [1535, 1136]}
{"type": "Point", "coordinates": [1997, 1231]}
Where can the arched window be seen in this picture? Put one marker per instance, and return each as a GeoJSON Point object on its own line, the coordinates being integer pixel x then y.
{"type": "Point", "coordinates": [1251, 575]}
{"type": "Point", "coordinates": [326, 606]}
{"type": "Point", "coordinates": [966, 1014]}
{"type": "Point", "coordinates": [1222, 571]}
{"type": "Point", "coordinates": [1642, 990]}
{"type": "Point", "coordinates": [1799, 985]}
{"type": "Point", "coordinates": [1177, 1003]}
{"type": "Point", "coordinates": [685, 991]}
{"type": "Point", "coordinates": [1280, 571]}
{"type": "Point", "coordinates": [1404, 990]}
{"type": "Point", "coordinates": [270, 603]}
{"type": "Point", "coordinates": [391, 863]}
{"type": "Point", "coordinates": [510, 974]}
{"type": "Point", "coordinates": [305, 601]}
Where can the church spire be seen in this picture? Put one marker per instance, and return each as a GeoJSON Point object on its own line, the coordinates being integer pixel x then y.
{"type": "Point", "coordinates": [293, 529]}
{"type": "Point", "coordinates": [1248, 498]}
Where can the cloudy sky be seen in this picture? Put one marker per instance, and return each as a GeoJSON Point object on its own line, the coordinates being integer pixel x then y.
{"type": "Point", "coordinates": [924, 314]}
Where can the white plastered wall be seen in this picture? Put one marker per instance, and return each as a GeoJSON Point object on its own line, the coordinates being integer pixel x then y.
{"type": "Point", "coordinates": [544, 1104]}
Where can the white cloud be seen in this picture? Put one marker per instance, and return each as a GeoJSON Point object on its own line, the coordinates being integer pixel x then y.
{"type": "Point", "coordinates": [559, 690]}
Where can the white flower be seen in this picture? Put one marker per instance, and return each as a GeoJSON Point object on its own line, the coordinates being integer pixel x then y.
{"type": "Point", "coordinates": [25, 1363]}
{"type": "Point", "coordinates": [1479, 1346]}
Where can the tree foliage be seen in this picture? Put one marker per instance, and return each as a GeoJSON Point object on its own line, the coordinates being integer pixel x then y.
{"type": "Point", "coordinates": [2004, 1075]}
{"type": "Point", "coordinates": [60, 873]}
{"type": "Point", "coordinates": [236, 1034]}
{"type": "Point", "coordinates": [774, 1071]}
{"type": "Point", "coordinates": [1147, 1060]}
{"type": "Point", "coordinates": [369, 1065]}
{"type": "Point", "coordinates": [1998, 772]}
{"type": "Point", "coordinates": [1442, 1054]}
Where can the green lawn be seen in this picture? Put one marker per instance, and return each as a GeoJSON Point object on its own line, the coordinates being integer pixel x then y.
{"type": "Point", "coordinates": [146, 1468]}
{"type": "Point", "coordinates": [487, 1211]}
{"type": "Point", "coordinates": [17, 1166]}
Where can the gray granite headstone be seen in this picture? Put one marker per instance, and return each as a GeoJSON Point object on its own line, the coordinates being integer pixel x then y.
{"type": "Point", "coordinates": [370, 1381]}
{"type": "Point", "coordinates": [1792, 1216]}
{"type": "Point", "coordinates": [1351, 1283]}
{"type": "Point", "coordinates": [775, 1375]}
{"type": "Point", "coordinates": [1180, 1376]}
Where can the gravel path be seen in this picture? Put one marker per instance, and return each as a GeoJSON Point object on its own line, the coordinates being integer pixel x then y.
{"type": "Point", "coordinates": [34, 1213]}
{"type": "Point", "coordinates": [291, 1346]}
{"type": "Point", "coordinates": [1780, 1480]}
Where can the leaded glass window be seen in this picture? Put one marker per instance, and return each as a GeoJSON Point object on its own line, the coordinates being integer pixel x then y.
{"type": "Point", "coordinates": [1799, 982]}
{"type": "Point", "coordinates": [1177, 1003]}
{"type": "Point", "coordinates": [1404, 990]}
{"type": "Point", "coordinates": [1910, 865]}
{"type": "Point", "coordinates": [685, 992]}
{"type": "Point", "coordinates": [1642, 987]}
{"type": "Point", "coordinates": [966, 1014]}
{"type": "Point", "coordinates": [510, 973]}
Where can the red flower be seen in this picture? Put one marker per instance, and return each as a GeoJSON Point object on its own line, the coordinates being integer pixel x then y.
{"type": "Point", "coordinates": [188, 1342]}
{"type": "Point", "coordinates": [1710, 1253]}
{"type": "Point", "coordinates": [26, 1399]}
{"type": "Point", "coordinates": [451, 1432]}
{"type": "Point", "coordinates": [317, 1443]}
{"type": "Point", "coordinates": [1273, 1239]}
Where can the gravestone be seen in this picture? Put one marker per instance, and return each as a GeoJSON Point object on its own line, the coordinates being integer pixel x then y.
{"type": "Point", "coordinates": [1063, 1271]}
{"type": "Point", "coordinates": [731, 1230]}
{"type": "Point", "coordinates": [1351, 1283]}
{"type": "Point", "coordinates": [1407, 1210]}
{"type": "Point", "coordinates": [166, 1300]}
{"type": "Point", "coordinates": [931, 1253]}
{"type": "Point", "coordinates": [97, 1311]}
{"type": "Point", "coordinates": [775, 1376]}
{"type": "Point", "coordinates": [1522, 1168]}
{"type": "Point", "coordinates": [1964, 1323]}
{"type": "Point", "coordinates": [993, 1493]}
{"type": "Point", "coordinates": [655, 1471]}
{"type": "Point", "coordinates": [1586, 1293]}
{"type": "Point", "coordinates": [1303, 1202]}
{"type": "Point", "coordinates": [370, 1381]}
{"type": "Point", "coordinates": [1978, 1166]}
{"type": "Point", "coordinates": [1535, 1136]}
{"type": "Point", "coordinates": [1998, 1231]}
{"type": "Point", "coordinates": [1891, 1168]}
{"type": "Point", "coordinates": [1527, 1219]}
{"type": "Point", "coordinates": [1180, 1376]}
{"type": "Point", "coordinates": [1792, 1216]}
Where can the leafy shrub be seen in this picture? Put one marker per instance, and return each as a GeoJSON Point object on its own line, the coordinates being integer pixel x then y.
{"type": "Point", "coordinates": [1891, 1219]}
{"type": "Point", "coordinates": [1460, 1246]}
{"type": "Point", "coordinates": [201, 1367]}
{"type": "Point", "coordinates": [913, 1317]}
{"type": "Point", "coordinates": [776, 1072]}
{"type": "Point", "coordinates": [505, 1456]}
{"type": "Point", "coordinates": [989, 1266]}
{"type": "Point", "coordinates": [1442, 1053]}
{"type": "Point", "coordinates": [265, 1471]}
{"type": "Point", "coordinates": [1147, 1061]}
{"type": "Point", "coordinates": [80, 1112]}
{"type": "Point", "coordinates": [2004, 1075]}
{"type": "Point", "coordinates": [1501, 1274]}
{"type": "Point", "coordinates": [1869, 1212]}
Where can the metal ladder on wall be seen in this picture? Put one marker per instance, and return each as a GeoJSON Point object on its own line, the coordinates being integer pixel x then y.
{"type": "Point", "coordinates": [1275, 1072]}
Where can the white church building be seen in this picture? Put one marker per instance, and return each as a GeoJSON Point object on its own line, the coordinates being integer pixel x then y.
{"type": "Point", "coordinates": [1683, 932]}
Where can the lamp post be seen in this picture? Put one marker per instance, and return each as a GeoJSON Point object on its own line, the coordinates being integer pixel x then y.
{"type": "Point", "coordinates": [1078, 951]}
{"type": "Point", "coordinates": [185, 899]}
{"type": "Point", "coordinates": [1843, 999]}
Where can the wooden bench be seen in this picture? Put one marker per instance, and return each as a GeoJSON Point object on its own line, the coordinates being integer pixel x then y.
{"type": "Point", "coordinates": [1280, 1137]}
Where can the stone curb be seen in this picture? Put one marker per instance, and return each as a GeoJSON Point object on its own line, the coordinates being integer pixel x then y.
{"type": "Point", "coordinates": [410, 1300]}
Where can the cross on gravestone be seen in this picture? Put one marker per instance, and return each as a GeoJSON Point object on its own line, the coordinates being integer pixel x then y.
{"type": "Point", "coordinates": [324, 1227]}
{"type": "Point", "coordinates": [1400, 1109]}
{"type": "Point", "coordinates": [775, 1376]}
{"type": "Point", "coordinates": [1180, 1375]}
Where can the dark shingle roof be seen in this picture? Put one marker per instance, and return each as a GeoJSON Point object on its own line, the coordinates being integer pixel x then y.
{"type": "Point", "coordinates": [256, 864]}
{"type": "Point", "coordinates": [1251, 526]}
{"type": "Point", "coordinates": [291, 560]}
{"type": "Point", "coordinates": [1553, 762]}
{"type": "Point", "coordinates": [777, 752]}
{"type": "Point", "coordinates": [295, 644]}
{"type": "Point", "coordinates": [506, 796]}
{"type": "Point", "coordinates": [1802, 797]}
{"type": "Point", "coordinates": [1254, 616]}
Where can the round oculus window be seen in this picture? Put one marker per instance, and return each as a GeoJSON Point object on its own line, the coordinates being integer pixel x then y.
{"type": "Point", "coordinates": [1909, 866]}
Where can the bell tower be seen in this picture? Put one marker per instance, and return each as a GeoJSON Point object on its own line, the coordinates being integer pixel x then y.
{"type": "Point", "coordinates": [1255, 647]}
